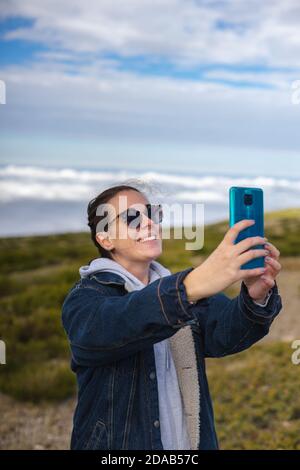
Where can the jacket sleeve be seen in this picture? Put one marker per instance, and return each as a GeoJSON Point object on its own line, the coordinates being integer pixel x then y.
{"type": "Point", "coordinates": [102, 328]}
{"type": "Point", "coordinates": [228, 326]}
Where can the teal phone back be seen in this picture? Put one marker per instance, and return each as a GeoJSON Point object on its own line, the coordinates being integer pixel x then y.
{"type": "Point", "coordinates": [247, 203]}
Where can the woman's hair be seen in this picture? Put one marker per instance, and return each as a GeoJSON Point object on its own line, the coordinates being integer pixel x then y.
{"type": "Point", "coordinates": [94, 219]}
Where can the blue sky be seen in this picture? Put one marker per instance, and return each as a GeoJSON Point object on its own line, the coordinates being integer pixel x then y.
{"type": "Point", "coordinates": [172, 84]}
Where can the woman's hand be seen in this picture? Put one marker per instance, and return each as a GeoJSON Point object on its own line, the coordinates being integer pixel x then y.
{"type": "Point", "coordinates": [259, 286]}
{"type": "Point", "coordinates": [223, 267]}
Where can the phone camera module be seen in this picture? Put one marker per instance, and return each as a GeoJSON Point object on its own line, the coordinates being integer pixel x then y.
{"type": "Point", "coordinates": [248, 200]}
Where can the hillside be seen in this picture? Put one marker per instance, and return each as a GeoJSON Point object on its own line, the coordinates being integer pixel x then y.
{"type": "Point", "coordinates": [35, 276]}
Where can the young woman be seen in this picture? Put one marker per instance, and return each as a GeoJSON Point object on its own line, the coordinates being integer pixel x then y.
{"type": "Point", "coordinates": [139, 335]}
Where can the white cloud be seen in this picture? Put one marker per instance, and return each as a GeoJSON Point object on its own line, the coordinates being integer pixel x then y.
{"type": "Point", "coordinates": [102, 101]}
{"type": "Point", "coordinates": [183, 32]}
{"type": "Point", "coordinates": [17, 182]}
{"type": "Point", "coordinates": [73, 88]}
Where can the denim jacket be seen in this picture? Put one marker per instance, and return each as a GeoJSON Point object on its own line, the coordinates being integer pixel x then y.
{"type": "Point", "coordinates": [111, 334]}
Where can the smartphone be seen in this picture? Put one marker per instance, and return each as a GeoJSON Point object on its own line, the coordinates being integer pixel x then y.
{"type": "Point", "coordinates": [248, 203]}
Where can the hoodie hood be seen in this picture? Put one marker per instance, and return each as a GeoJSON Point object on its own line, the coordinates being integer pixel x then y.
{"type": "Point", "coordinates": [156, 271]}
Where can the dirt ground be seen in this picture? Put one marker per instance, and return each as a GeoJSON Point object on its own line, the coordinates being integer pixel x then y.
{"type": "Point", "coordinates": [35, 427]}
{"type": "Point", "coordinates": [48, 426]}
{"type": "Point", "coordinates": [286, 326]}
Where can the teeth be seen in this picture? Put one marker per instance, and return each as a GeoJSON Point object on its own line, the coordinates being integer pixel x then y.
{"type": "Point", "coordinates": [147, 239]}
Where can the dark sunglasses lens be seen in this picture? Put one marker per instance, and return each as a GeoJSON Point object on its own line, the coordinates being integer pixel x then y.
{"type": "Point", "coordinates": [133, 218]}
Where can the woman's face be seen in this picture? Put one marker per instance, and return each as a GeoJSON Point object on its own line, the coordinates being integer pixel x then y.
{"type": "Point", "coordinates": [127, 241]}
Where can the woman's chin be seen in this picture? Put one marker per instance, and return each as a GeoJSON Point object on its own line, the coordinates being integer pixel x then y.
{"type": "Point", "coordinates": [149, 249]}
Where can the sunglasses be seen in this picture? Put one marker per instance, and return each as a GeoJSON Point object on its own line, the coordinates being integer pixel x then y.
{"type": "Point", "coordinates": [133, 217]}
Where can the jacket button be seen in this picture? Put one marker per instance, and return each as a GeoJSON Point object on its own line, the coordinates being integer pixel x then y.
{"type": "Point", "coordinates": [156, 423]}
{"type": "Point", "coordinates": [152, 375]}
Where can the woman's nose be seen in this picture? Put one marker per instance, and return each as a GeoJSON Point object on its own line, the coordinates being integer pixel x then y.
{"type": "Point", "coordinates": [146, 222]}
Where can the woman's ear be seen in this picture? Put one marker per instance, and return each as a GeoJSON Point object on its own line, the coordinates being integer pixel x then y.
{"type": "Point", "coordinates": [104, 240]}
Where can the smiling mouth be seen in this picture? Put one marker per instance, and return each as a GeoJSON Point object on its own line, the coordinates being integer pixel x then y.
{"type": "Point", "coordinates": [147, 239]}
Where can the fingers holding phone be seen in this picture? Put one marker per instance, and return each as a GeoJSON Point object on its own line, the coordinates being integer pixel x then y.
{"type": "Point", "coordinates": [223, 267]}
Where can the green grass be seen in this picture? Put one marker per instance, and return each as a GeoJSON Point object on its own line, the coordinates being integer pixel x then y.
{"type": "Point", "coordinates": [256, 398]}
{"type": "Point", "coordinates": [255, 393]}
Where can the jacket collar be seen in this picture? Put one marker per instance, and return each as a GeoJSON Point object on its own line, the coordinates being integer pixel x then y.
{"type": "Point", "coordinates": [107, 277]}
